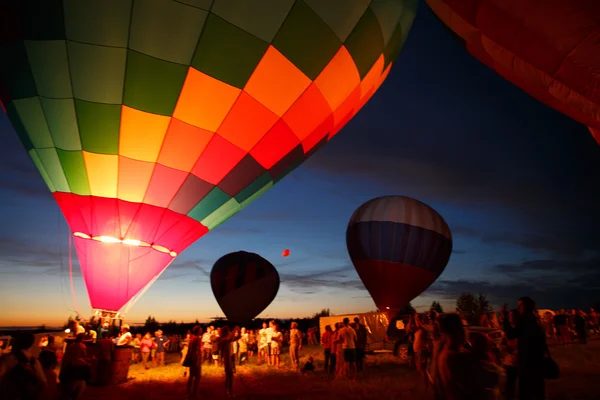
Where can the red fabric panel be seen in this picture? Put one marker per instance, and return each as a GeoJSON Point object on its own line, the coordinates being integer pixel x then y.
{"type": "Point", "coordinates": [392, 284]}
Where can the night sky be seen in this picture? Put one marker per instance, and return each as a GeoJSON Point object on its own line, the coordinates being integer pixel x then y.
{"type": "Point", "coordinates": [516, 181]}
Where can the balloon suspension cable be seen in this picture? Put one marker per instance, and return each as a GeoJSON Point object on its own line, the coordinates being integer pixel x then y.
{"type": "Point", "coordinates": [71, 278]}
{"type": "Point", "coordinates": [135, 298]}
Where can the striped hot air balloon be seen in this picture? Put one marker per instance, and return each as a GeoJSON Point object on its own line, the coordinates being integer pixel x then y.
{"type": "Point", "coordinates": [154, 121]}
{"type": "Point", "coordinates": [399, 246]}
{"type": "Point", "coordinates": [244, 284]}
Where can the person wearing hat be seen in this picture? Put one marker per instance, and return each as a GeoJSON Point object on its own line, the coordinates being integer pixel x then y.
{"type": "Point", "coordinates": [125, 338]}
{"type": "Point", "coordinates": [161, 347]}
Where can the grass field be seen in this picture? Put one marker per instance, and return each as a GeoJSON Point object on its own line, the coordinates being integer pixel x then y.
{"type": "Point", "coordinates": [384, 378]}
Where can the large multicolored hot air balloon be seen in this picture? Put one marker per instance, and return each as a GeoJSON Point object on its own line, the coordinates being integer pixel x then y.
{"type": "Point", "coordinates": [399, 246]}
{"type": "Point", "coordinates": [244, 284]}
{"type": "Point", "coordinates": [549, 49]}
{"type": "Point", "coordinates": [152, 122]}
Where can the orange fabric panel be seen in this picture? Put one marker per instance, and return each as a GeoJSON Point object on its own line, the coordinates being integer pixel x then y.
{"type": "Point", "coordinates": [338, 79]}
{"type": "Point", "coordinates": [308, 112]}
{"type": "Point", "coordinates": [204, 101]}
{"type": "Point", "coordinates": [276, 82]}
{"type": "Point", "coordinates": [247, 122]}
{"type": "Point", "coordinates": [372, 78]}
{"type": "Point", "coordinates": [164, 185]}
{"type": "Point", "coordinates": [134, 177]}
{"type": "Point", "coordinates": [142, 134]}
{"type": "Point", "coordinates": [347, 109]}
{"type": "Point", "coordinates": [278, 142]}
{"type": "Point", "coordinates": [317, 134]}
{"type": "Point", "coordinates": [183, 145]}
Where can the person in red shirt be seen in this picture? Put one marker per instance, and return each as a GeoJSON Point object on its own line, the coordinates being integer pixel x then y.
{"type": "Point", "coordinates": [326, 343]}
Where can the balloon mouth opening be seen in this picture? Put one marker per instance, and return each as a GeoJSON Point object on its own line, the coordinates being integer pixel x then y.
{"type": "Point", "coordinates": [126, 241]}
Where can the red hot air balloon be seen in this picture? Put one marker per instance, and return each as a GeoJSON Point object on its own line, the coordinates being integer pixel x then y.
{"type": "Point", "coordinates": [244, 284]}
{"type": "Point", "coordinates": [399, 246]}
{"type": "Point", "coordinates": [550, 49]}
{"type": "Point", "coordinates": [285, 253]}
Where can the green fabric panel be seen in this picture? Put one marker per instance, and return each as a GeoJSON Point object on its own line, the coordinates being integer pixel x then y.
{"type": "Point", "coordinates": [201, 4]}
{"type": "Point", "coordinates": [86, 21]}
{"type": "Point", "coordinates": [221, 214]}
{"type": "Point", "coordinates": [15, 119]}
{"type": "Point", "coordinates": [365, 43]}
{"type": "Point", "coordinates": [73, 166]}
{"type": "Point", "coordinates": [166, 30]}
{"type": "Point", "coordinates": [227, 52]}
{"type": "Point", "coordinates": [407, 18]}
{"type": "Point", "coordinates": [388, 14]}
{"type": "Point", "coordinates": [339, 15]}
{"type": "Point", "coordinates": [40, 167]}
{"type": "Point", "coordinates": [43, 20]}
{"type": "Point", "coordinates": [62, 121]}
{"type": "Point", "coordinates": [263, 22]}
{"type": "Point", "coordinates": [306, 40]}
{"type": "Point", "coordinates": [15, 69]}
{"type": "Point", "coordinates": [215, 199]}
{"type": "Point", "coordinates": [51, 163]}
{"type": "Point", "coordinates": [97, 72]}
{"type": "Point", "coordinates": [254, 187]}
{"type": "Point", "coordinates": [152, 85]}
{"type": "Point", "coordinates": [257, 194]}
{"type": "Point", "coordinates": [50, 67]}
{"type": "Point", "coordinates": [32, 116]}
{"type": "Point", "coordinates": [99, 126]}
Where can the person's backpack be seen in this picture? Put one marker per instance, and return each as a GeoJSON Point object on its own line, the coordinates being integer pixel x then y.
{"type": "Point", "coordinates": [22, 381]}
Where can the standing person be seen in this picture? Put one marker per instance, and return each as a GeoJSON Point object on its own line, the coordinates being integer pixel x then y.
{"type": "Point", "coordinates": [75, 370]}
{"type": "Point", "coordinates": [243, 346]}
{"type": "Point", "coordinates": [252, 346]}
{"type": "Point", "coordinates": [532, 349]}
{"type": "Point", "coordinates": [104, 355]}
{"type": "Point", "coordinates": [146, 346]}
{"type": "Point", "coordinates": [326, 343]}
{"type": "Point", "coordinates": [49, 362]}
{"type": "Point", "coordinates": [185, 344]}
{"type": "Point", "coordinates": [207, 345]}
{"type": "Point", "coordinates": [270, 330]}
{"type": "Point", "coordinates": [125, 339]}
{"type": "Point", "coordinates": [580, 327]}
{"type": "Point", "coordinates": [509, 362]}
{"type": "Point", "coordinates": [348, 340]}
{"type": "Point", "coordinates": [361, 344]}
{"type": "Point", "coordinates": [225, 349]}
{"type": "Point", "coordinates": [335, 344]}
{"type": "Point", "coordinates": [295, 344]}
{"type": "Point", "coordinates": [136, 356]}
{"type": "Point", "coordinates": [21, 374]}
{"type": "Point", "coordinates": [161, 348]}
{"type": "Point", "coordinates": [276, 343]}
{"type": "Point", "coordinates": [263, 346]}
{"type": "Point", "coordinates": [193, 361]}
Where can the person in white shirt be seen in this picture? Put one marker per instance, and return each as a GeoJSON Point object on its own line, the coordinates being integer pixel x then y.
{"type": "Point", "coordinates": [207, 345]}
{"type": "Point", "coordinates": [269, 332]}
{"type": "Point", "coordinates": [347, 337]}
{"type": "Point", "coordinates": [125, 338]}
{"type": "Point", "coordinates": [276, 342]}
{"type": "Point", "coordinates": [263, 346]}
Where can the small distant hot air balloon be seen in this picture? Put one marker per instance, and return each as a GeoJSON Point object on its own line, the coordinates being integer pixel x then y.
{"type": "Point", "coordinates": [244, 284]}
{"type": "Point", "coordinates": [399, 246]}
{"type": "Point", "coordinates": [549, 49]}
{"type": "Point", "coordinates": [285, 253]}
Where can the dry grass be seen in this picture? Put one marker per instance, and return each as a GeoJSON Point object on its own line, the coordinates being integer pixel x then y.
{"type": "Point", "coordinates": [384, 378]}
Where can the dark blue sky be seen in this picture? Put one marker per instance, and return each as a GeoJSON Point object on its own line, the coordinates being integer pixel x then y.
{"type": "Point", "coordinates": [516, 181]}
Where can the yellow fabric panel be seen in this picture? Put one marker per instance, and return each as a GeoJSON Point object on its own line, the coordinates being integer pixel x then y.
{"type": "Point", "coordinates": [142, 134]}
{"type": "Point", "coordinates": [103, 172]}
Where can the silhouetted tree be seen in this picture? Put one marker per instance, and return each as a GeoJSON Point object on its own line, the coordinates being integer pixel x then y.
{"type": "Point", "coordinates": [151, 325]}
{"type": "Point", "coordinates": [472, 307]}
{"type": "Point", "coordinates": [407, 309]}
{"type": "Point", "coordinates": [436, 306]}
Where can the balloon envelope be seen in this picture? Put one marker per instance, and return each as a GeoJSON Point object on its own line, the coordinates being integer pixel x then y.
{"type": "Point", "coordinates": [549, 49]}
{"type": "Point", "coordinates": [399, 246]}
{"type": "Point", "coordinates": [152, 122]}
{"type": "Point", "coordinates": [244, 284]}
{"type": "Point", "coordinates": [285, 253]}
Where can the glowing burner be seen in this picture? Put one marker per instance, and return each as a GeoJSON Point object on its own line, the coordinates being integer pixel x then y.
{"type": "Point", "coordinates": [129, 242]}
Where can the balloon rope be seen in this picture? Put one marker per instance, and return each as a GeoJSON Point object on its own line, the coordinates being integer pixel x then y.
{"type": "Point", "coordinates": [135, 298]}
{"type": "Point", "coordinates": [71, 278]}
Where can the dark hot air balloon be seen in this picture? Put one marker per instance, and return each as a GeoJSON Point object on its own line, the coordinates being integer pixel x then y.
{"type": "Point", "coordinates": [244, 284]}
{"type": "Point", "coordinates": [399, 246]}
{"type": "Point", "coordinates": [152, 122]}
{"type": "Point", "coordinates": [549, 48]}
